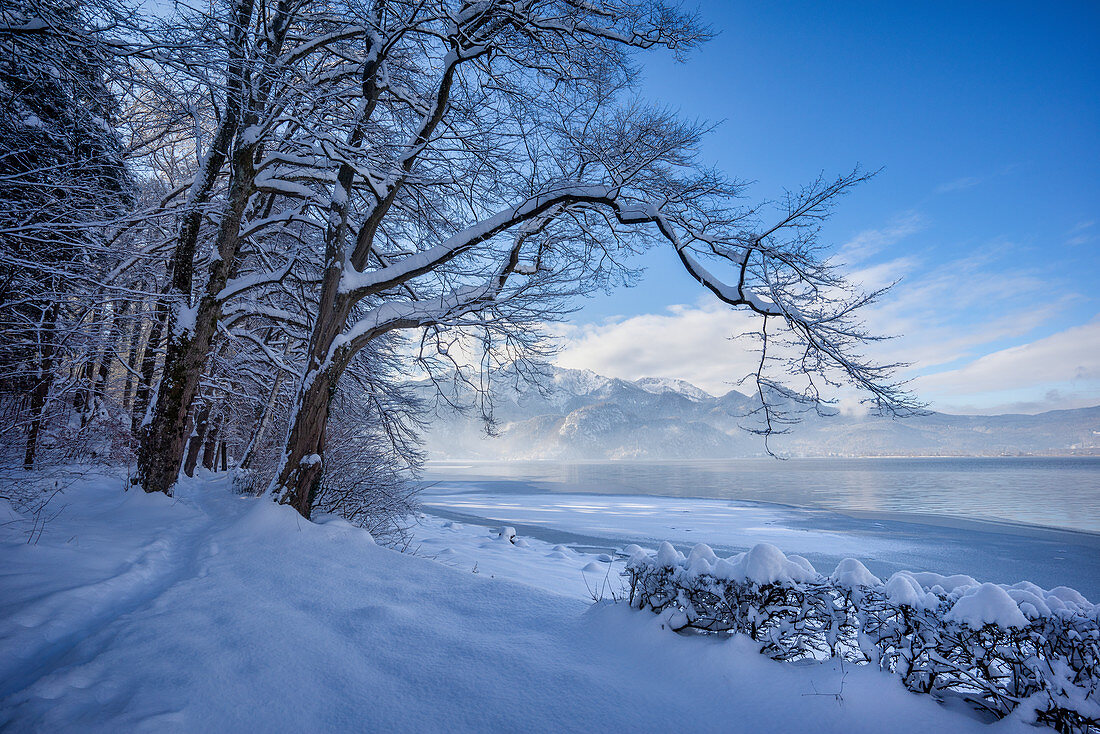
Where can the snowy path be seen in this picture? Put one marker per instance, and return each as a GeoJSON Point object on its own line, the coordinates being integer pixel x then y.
{"type": "Point", "coordinates": [214, 613]}
{"type": "Point", "coordinates": [119, 572]}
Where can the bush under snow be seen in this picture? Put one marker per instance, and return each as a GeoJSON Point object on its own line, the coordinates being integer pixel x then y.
{"type": "Point", "coordinates": [1000, 647]}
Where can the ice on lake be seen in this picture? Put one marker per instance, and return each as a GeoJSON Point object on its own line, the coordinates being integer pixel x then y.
{"type": "Point", "coordinates": [939, 515]}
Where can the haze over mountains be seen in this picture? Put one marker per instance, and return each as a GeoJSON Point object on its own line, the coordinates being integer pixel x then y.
{"type": "Point", "coordinates": [579, 415]}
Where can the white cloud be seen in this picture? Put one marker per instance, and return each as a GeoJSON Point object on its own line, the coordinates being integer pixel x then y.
{"type": "Point", "coordinates": [956, 310]}
{"type": "Point", "coordinates": [686, 342]}
{"type": "Point", "coordinates": [949, 316]}
{"type": "Point", "coordinates": [869, 242]}
{"type": "Point", "coordinates": [693, 343]}
{"type": "Point", "coordinates": [968, 182]}
{"type": "Point", "coordinates": [1081, 234]}
{"type": "Point", "coordinates": [959, 184]}
{"type": "Point", "coordinates": [952, 311]}
{"type": "Point", "coordinates": [1060, 370]}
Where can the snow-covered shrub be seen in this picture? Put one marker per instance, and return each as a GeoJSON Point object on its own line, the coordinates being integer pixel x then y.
{"type": "Point", "coordinates": [372, 460]}
{"type": "Point", "coordinates": [99, 435]}
{"type": "Point", "coordinates": [998, 647]}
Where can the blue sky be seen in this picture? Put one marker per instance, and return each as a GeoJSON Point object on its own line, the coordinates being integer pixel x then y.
{"type": "Point", "coordinates": [986, 120]}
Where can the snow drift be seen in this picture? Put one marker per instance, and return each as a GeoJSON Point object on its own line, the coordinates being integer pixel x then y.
{"type": "Point", "coordinates": [999, 647]}
{"type": "Point", "coordinates": [215, 613]}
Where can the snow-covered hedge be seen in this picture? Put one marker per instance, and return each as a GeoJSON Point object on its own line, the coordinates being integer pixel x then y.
{"type": "Point", "coordinates": [1000, 647]}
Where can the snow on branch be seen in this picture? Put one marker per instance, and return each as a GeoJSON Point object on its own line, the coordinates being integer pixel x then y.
{"type": "Point", "coordinates": [362, 284]}
{"type": "Point", "coordinates": [777, 277]}
{"type": "Point", "coordinates": [248, 282]}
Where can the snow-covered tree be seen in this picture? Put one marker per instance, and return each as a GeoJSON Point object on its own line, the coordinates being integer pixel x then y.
{"type": "Point", "coordinates": [246, 45]}
{"type": "Point", "coordinates": [495, 164]}
{"type": "Point", "coordinates": [63, 182]}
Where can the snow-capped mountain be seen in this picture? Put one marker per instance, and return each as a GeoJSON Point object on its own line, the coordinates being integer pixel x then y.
{"type": "Point", "coordinates": [658, 385]}
{"type": "Point", "coordinates": [580, 415]}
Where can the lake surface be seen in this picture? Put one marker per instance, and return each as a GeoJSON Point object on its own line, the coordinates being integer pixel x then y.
{"type": "Point", "coordinates": [1052, 492]}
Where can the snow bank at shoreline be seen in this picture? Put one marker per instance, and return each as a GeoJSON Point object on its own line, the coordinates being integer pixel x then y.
{"type": "Point", "coordinates": [209, 612]}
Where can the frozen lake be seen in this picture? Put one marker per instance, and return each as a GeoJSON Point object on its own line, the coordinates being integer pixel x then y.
{"type": "Point", "coordinates": [1002, 520]}
{"type": "Point", "coordinates": [1055, 492]}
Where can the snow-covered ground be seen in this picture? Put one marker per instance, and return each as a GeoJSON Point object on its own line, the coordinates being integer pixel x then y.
{"type": "Point", "coordinates": [210, 612]}
{"type": "Point", "coordinates": [677, 519]}
{"type": "Point", "coordinates": [589, 574]}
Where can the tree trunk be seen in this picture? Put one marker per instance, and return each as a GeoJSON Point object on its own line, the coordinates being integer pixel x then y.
{"type": "Point", "coordinates": [222, 451]}
{"type": "Point", "coordinates": [210, 448]}
{"type": "Point", "coordinates": [133, 353]}
{"type": "Point", "coordinates": [302, 467]}
{"type": "Point", "coordinates": [110, 345]}
{"type": "Point", "coordinates": [41, 391]}
{"type": "Point", "coordinates": [83, 401]}
{"type": "Point", "coordinates": [163, 441]}
{"type": "Point", "coordinates": [194, 444]}
{"type": "Point", "coordinates": [255, 445]}
{"type": "Point", "coordinates": [148, 369]}
{"type": "Point", "coordinates": [299, 476]}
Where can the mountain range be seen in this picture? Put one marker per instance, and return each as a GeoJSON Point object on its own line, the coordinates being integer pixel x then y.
{"type": "Point", "coordinates": [573, 415]}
